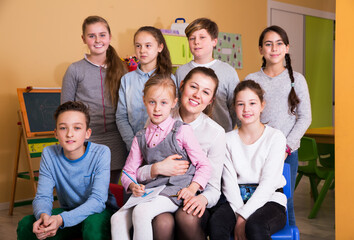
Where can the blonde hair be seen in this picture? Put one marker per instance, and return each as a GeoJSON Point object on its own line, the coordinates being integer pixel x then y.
{"type": "Point", "coordinates": [162, 80]}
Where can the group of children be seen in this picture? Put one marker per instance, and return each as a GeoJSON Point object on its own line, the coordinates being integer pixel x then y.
{"type": "Point", "coordinates": [158, 139]}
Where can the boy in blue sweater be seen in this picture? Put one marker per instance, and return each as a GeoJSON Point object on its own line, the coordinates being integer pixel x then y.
{"type": "Point", "coordinates": [80, 172]}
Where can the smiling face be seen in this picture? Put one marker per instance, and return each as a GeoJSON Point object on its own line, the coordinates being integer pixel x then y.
{"type": "Point", "coordinates": [201, 45]}
{"type": "Point", "coordinates": [71, 132]}
{"type": "Point", "coordinates": [273, 48]}
{"type": "Point", "coordinates": [248, 107]}
{"type": "Point", "coordinates": [146, 49]}
{"type": "Point", "coordinates": [159, 101]}
{"type": "Point", "coordinates": [97, 38]}
{"type": "Point", "coordinates": [196, 94]}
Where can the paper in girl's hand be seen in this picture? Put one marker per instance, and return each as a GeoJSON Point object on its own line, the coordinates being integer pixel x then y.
{"type": "Point", "coordinates": [150, 194]}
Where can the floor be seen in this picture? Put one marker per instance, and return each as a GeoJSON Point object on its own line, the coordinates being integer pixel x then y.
{"type": "Point", "coordinates": [322, 227]}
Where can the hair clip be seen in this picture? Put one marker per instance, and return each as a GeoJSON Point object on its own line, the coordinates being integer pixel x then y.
{"type": "Point", "coordinates": [292, 84]}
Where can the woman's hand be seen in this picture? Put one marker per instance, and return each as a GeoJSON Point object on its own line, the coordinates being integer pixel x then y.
{"type": "Point", "coordinates": [170, 167]}
{"type": "Point", "coordinates": [240, 233]}
{"type": "Point", "coordinates": [196, 204]}
{"type": "Point", "coordinates": [137, 190]}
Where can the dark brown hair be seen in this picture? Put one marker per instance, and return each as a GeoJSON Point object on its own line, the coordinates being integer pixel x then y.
{"type": "Point", "coordinates": [163, 80]}
{"type": "Point", "coordinates": [73, 106]}
{"type": "Point", "coordinates": [293, 99]}
{"type": "Point", "coordinates": [163, 63]}
{"type": "Point", "coordinates": [116, 68]}
{"type": "Point", "coordinates": [203, 23]}
{"type": "Point", "coordinates": [249, 84]}
{"type": "Point", "coordinates": [208, 72]}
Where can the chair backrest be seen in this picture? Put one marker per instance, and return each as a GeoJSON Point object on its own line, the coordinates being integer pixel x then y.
{"type": "Point", "coordinates": [326, 154]}
{"type": "Point", "coordinates": [286, 174]}
{"type": "Point", "coordinates": [308, 150]}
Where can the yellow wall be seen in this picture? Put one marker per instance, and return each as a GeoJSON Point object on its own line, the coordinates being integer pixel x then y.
{"type": "Point", "coordinates": [39, 39]}
{"type": "Point", "coordinates": [344, 119]}
{"type": "Point", "coordinates": [323, 5]}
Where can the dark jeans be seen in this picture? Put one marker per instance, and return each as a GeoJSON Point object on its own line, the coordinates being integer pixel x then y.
{"type": "Point", "coordinates": [222, 220]}
{"type": "Point", "coordinates": [264, 222]}
{"type": "Point", "coordinates": [294, 163]}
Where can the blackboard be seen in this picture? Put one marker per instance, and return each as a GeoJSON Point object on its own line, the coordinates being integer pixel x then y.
{"type": "Point", "coordinates": [37, 108]}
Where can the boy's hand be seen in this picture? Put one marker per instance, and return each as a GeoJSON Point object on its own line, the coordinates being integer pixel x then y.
{"type": "Point", "coordinates": [137, 190]}
{"type": "Point", "coordinates": [38, 226]}
{"type": "Point", "coordinates": [54, 222]}
{"type": "Point", "coordinates": [47, 226]}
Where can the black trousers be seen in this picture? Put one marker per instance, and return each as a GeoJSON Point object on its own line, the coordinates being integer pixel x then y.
{"type": "Point", "coordinates": [264, 222]}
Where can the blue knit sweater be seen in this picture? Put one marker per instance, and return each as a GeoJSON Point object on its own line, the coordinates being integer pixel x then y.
{"type": "Point", "coordinates": [81, 185]}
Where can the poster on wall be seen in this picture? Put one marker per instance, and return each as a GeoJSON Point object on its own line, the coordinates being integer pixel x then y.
{"type": "Point", "coordinates": [229, 49]}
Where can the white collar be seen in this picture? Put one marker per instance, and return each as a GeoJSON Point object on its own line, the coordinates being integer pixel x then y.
{"type": "Point", "coordinates": [203, 65]}
{"type": "Point", "coordinates": [103, 66]}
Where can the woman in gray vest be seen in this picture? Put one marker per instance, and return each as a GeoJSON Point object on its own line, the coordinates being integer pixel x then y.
{"type": "Point", "coordinates": [197, 93]}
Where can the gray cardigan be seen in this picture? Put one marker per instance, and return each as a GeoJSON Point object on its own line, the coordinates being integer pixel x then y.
{"type": "Point", "coordinates": [276, 112]}
{"type": "Point", "coordinates": [82, 82]}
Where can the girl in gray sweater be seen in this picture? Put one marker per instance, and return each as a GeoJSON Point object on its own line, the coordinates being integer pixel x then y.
{"type": "Point", "coordinates": [288, 105]}
{"type": "Point", "coordinates": [95, 81]}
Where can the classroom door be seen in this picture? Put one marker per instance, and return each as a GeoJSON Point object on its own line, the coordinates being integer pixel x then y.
{"type": "Point", "coordinates": [319, 52]}
{"type": "Point", "coordinates": [293, 24]}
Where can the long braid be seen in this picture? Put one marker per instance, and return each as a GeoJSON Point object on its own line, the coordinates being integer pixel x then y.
{"type": "Point", "coordinates": [264, 62]}
{"type": "Point", "coordinates": [293, 99]}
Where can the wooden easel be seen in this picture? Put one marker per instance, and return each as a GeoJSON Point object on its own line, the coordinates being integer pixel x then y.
{"type": "Point", "coordinates": [31, 174]}
{"type": "Point", "coordinates": [34, 144]}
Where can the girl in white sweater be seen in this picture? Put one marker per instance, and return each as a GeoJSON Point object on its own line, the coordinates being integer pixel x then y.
{"type": "Point", "coordinates": [252, 175]}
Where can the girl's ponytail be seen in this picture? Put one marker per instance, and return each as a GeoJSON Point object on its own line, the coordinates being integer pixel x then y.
{"type": "Point", "coordinates": [163, 63]}
{"type": "Point", "coordinates": [116, 68]}
{"type": "Point", "coordinates": [293, 99]}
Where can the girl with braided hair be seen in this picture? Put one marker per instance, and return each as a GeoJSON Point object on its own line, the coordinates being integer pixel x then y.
{"type": "Point", "coordinates": [288, 105]}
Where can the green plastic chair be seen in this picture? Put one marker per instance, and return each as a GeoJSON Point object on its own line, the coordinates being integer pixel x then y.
{"type": "Point", "coordinates": [308, 153]}
{"type": "Point", "coordinates": [326, 154]}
